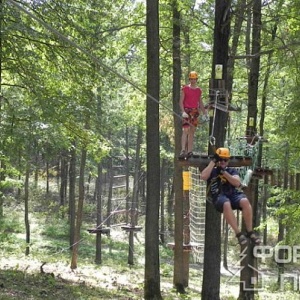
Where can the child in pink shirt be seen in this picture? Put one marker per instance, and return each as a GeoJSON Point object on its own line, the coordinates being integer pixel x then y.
{"type": "Point", "coordinates": [190, 104]}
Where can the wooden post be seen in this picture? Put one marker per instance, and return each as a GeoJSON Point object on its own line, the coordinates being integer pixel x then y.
{"type": "Point", "coordinates": [186, 237]}
{"type": "Point", "coordinates": [249, 272]}
{"type": "Point", "coordinates": [264, 208]}
{"type": "Point", "coordinates": [297, 181]}
{"type": "Point", "coordinates": [292, 182]}
{"type": "Point", "coordinates": [186, 226]}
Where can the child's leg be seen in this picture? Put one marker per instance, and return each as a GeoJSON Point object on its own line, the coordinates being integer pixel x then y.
{"type": "Point", "coordinates": [184, 138]}
{"type": "Point", "coordinates": [190, 139]}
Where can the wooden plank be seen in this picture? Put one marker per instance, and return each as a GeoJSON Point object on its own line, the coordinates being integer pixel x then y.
{"type": "Point", "coordinates": [129, 228]}
{"type": "Point", "coordinates": [203, 160]}
{"type": "Point", "coordinates": [188, 247]}
{"type": "Point", "coordinates": [104, 230]}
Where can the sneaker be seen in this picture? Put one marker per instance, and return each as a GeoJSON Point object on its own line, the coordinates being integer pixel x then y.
{"type": "Point", "coordinates": [190, 154]}
{"type": "Point", "coordinates": [253, 236]}
{"type": "Point", "coordinates": [182, 154]}
{"type": "Point", "coordinates": [242, 239]}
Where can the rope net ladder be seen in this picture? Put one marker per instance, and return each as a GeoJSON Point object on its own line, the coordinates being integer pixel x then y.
{"type": "Point", "coordinates": [198, 193]}
{"type": "Point", "coordinates": [197, 197]}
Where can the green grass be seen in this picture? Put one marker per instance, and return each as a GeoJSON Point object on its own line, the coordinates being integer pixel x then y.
{"type": "Point", "coordinates": [26, 277]}
{"type": "Point", "coordinates": [19, 285]}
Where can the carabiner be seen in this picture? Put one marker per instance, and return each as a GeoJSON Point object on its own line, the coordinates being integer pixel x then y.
{"type": "Point", "coordinates": [212, 140]}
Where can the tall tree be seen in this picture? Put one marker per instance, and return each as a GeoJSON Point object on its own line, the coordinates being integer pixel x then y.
{"type": "Point", "coordinates": [152, 277]}
{"type": "Point", "coordinates": [79, 213]}
{"type": "Point", "coordinates": [72, 193]}
{"type": "Point", "coordinates": [178, 251]}
{"type": "Point", "coordinates": [247, 290]}
{"type": "Point", "coordinates": [212, 251]}
{"type": "Point", "coordinates": [2, 163]}
{"type": "Point", "coordinates": [254, 70]}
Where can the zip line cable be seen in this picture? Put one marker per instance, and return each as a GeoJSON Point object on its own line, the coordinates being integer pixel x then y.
{"type": "Point", "coordinates": [99, 226]}
{"type": "Point", "coordinates": [98, 62]}
{"type": "Point", "coordinates": [102, 223]}
{"type": "Point", "coordinates": [91, 56]}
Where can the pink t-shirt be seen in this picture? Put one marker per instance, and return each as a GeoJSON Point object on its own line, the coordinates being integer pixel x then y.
{"type": "Point", "coordinates": [191, 96]}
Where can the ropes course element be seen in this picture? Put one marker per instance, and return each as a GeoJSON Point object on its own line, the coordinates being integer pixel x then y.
{"type": "Point", "coordinates": [244, 146]}
{"type": "Point", "coordinates": [219, 101]}
{"type": "Point", "coordinates": [93, 58]}
{"type": "Point", "coordinates": [212, 139]}
{"type": "Point", "coordinates": [198, 191]}
{"type": "Point", "coordinates": [118, 207]}
{"type": "Point", "coordinates": [241, 147]}
{"type": "Point", "coordinates": [197, 196]}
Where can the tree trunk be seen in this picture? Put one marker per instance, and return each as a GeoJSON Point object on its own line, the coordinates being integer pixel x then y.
{"type": "Point", "coordinates": [36, 168]}
{"type": "Point", "coordinates": [248, 263]}
{"type": "Point", "coordinates": [247, 290]}
{"type": "Point", "coordinates": [212, 251]}
{"type": "Point", "coordinates": [2, 163]}
{"type": "Point", "coordinates": [261, 133]}
{"type": "Point", "coordinates": [110, 191]}
{"type": "Point", "coordinates": [127, 175]}
{"type": "Point", "coordinates": [98, 259]}
{"type": "Point", "coordinates": [63, 179]}
{"type": "Point", "coordinates": [47, 178]}
{"type": "Point", "coordinates": [240, 16]}
{"type": "Point", "coordinates": [72, 201]}
{"type": "Point", "coordinates": [170, 208]}
{"type": "Point", "coordinates": [162, 200]}
{"type": "Point", "coordinates": [152, 276]}
{"type": "Point", "coordinates": [178, 278]}
{"type": "Point", "coordinates": [134, 203]}
{"type": "Point", "coordinates": [135, 194]}
{"type": "Point", "coordinates": [254, 70]}
{"type": "Point", "coordinates": [26, 210]}
{"type": "Point", "coordinates": [281, 226]}
{"type": "Point", "coordinates": [2, 178]}
{"type": "Point", "coordinates": [79, 210]}
{"type": "Point", "coordinates": [266, 196]}
{"type": "Point", "coordinates": [225, 247]}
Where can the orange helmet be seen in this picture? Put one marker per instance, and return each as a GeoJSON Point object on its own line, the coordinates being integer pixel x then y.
{"type": "Point", "coordinates": [193, 75]}
{"type": "Point", "coordinates": [223, 152]}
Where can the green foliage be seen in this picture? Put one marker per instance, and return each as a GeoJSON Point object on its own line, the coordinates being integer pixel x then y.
{"type": "Point", "coordinates": [59, 230]}
{"type": "Point", "coordinates": [10, 183]}
{"type": "Point", "coordinates": [10, 227]}
{"type": "Point", "coordinates": [287, 206]}
{"type": "Point", "coordinates": [85, 88]}
{"type": "Point", "coordinates": [53, 84]}
{"type": "Point", "coordinates": [49, 243]}
{"type": "Point", "coordinates": [18, 284]}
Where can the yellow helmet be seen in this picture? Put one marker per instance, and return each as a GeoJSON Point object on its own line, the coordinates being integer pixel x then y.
{"type": "Point", "coordinates": [193, 75]}
{"type": "Point", "coordinates": [223, 152]}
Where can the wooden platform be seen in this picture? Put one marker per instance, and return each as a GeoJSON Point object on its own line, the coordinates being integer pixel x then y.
{"type": "Point", "coordinates": [129, 228]}
{"type": "Point", "coordinates": [260, 172]}
{"type": "Point", "coordinates": [203, 160]}
{"type": "Point", "coordinates": [104, 230]}
{"type": "Point", "coordinates": [187, 247]}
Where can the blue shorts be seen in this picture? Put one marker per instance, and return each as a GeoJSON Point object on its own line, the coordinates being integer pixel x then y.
{"type": "Point", "coordinates": [234, 199]}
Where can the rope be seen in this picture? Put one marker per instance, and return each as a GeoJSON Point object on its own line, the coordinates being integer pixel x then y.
{"type": "Point", "coordinates": [197, 196]}
{"type": "Point", "coordinates": [91, 56]}
{"type": "Point", "coordinates": [247, 150]}
{"type": "Point", "coordinates": [212, 139]}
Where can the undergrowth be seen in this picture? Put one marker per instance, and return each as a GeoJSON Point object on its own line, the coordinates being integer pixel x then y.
{"type": "Point", "coordinates": [46, 274]}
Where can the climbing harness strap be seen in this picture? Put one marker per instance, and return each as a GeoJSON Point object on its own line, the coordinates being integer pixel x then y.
{"type": "Point", "coordinates": [212, 139]}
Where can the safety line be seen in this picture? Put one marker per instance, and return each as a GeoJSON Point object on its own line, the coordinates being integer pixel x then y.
{"type": "Point", "coordinates": [91, 56]}
{"type": "Point", "coordinates": [98, 62]}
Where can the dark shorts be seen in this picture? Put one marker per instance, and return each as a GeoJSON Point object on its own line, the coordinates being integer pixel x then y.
{"type": "Point", "coordinates": [234, 199]}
